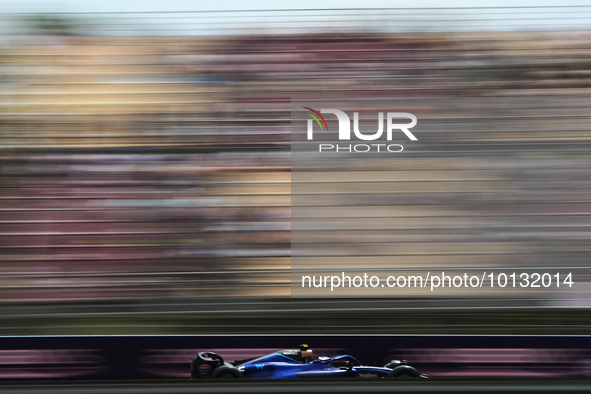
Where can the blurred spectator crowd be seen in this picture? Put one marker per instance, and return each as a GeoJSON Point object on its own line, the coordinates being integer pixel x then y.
{"type": "Point", "coordinates": [138, 167]}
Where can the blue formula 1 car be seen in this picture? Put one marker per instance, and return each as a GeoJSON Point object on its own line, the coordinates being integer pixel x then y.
{"type": "Point", "coordinates": [298, 363]}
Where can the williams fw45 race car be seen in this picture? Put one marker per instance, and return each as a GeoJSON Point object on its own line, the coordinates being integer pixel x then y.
{"type": "Point", "coordinates": [298, 363]}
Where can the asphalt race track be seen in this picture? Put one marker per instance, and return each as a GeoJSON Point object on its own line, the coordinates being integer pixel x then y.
{"type": "Point", "coordinates": [487, 385]}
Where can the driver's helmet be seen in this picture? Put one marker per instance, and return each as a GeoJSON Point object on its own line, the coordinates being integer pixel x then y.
{"type": "Point", "coordinates": [305, 352]}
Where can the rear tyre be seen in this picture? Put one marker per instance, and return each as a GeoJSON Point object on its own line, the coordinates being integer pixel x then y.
{"type": "Point", "coordinates": [225, 372]}
{"type": "Point", "coordinates": [404, 371]}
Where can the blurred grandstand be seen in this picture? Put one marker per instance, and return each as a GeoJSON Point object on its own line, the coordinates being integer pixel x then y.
{"type": "Point", "coordinates": [145, 167]}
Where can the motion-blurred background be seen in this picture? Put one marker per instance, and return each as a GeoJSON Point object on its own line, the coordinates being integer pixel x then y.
{"type": "Point", "coordinates": [145, 166]}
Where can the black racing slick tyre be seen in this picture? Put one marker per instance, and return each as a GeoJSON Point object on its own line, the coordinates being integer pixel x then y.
{"type": "Point", "coordinates": [404, 371]}
{"type": "Point", "coordinates": [225, 372]}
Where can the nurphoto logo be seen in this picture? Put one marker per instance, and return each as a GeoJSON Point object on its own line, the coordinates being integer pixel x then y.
{"type": "Point", "coordinates": [345, 130]}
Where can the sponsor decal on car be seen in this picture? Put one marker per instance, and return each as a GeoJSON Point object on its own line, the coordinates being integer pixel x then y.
{"type": "Point", "coordinates": [367, 375]}
{"type": "Point", "coordinates": [204, 369]}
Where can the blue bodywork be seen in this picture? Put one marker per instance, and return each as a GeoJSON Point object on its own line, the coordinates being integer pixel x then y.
{"type": "Point", "coordinates": [280, 366]}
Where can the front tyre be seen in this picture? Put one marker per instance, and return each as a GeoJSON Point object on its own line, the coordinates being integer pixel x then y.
{"type": "Point", "coordinates": [225, 372]}
{"type": "Point", "coordinates": [404, 371]}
